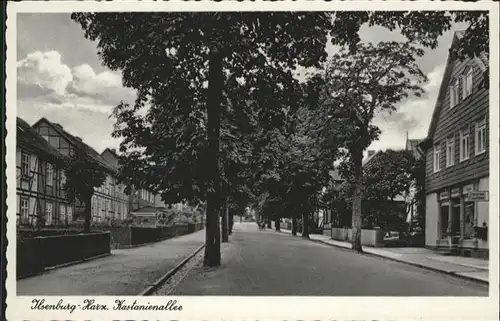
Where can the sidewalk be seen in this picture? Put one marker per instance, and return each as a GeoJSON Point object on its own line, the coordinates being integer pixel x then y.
{"type": "Point", "coordinates": [469, 268]}
{"type": "Point", "coordinates": [124, 272]}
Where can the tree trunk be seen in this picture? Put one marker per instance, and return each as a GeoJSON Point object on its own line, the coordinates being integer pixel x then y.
{"type": "Point", "coordinates": [231, 223]}
{"type": "Point", "coordinates": [225, 225]}
{"type": "Point", "coordinates": [294, 225]}
{"type": "Point", "coordinates": [88, 214]}
{"type": "Point", "coordinates": [212, 256]}
{"type": "Point", "coordinates": [305, 226]}
{"type": "Point", "coordinates": [277, 225]}
{"type": "Point", "coordinates": [269, 223]}
{"type": "Point", "coordinates": [357, 199]}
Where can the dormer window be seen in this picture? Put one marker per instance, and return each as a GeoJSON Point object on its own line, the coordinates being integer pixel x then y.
{"type": "Point", "coordinates": [454, 92]}
{"type": "Point", "coordinates": [467, 82]}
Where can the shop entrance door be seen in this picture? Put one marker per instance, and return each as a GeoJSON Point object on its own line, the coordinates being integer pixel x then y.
{"type": "Point", "coordinates": [444, 221]}
{"type": "Point", "coordinates": [455, 226]}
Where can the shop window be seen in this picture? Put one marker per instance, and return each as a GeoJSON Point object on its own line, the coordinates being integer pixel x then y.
{"type": "Point", "coordinates": [469, 220]}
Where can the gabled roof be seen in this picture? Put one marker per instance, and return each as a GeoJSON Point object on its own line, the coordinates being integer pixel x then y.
{"type": "Point", "coordinates": [29, 138]}
{"type": "Point", "coordinates": [368, 159]}
{"type": "Point", "coordinates": [411, 145]}
{"type": "Point", "coordinates": [78, 144]}
{"type": "Point", "coordinates": [443, 89]}
{"type": "Point", "coordinates": [111, 151]}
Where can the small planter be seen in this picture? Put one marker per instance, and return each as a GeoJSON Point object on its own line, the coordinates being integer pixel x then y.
{"type": "Point", "coordinates": [481, 232]}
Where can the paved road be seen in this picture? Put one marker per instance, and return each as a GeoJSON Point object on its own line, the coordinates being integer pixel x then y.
{"type": "Point", "coordinates": [125, 272]}
{"type": "Point", "coordinates": [270, 263]}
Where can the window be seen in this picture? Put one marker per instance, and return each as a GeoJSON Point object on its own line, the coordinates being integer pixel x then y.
{"type": "Point", "coordinates": [464, 144]}
{"type": "Point", "coordinates": [62, 212]}
{"type": "Point", "coordinates": [450, 151]}
{"type": "Point", "coordinates": [454, 93]}
{"type": "Point", "coordinates": [480, 137]}
{"type": "Point", "coordinates": [467, 82]}
{"type": "Point", "coordinates": [50, 174]}
{"type": "Point", "coordinates": [69, 213]}
{"type": "Point", "coordinates": [48, 213]}
{"type": "Point", "coordinates": [437, 158]}
{"type": "Point", "coordinates": [63, 179]}
{"type": "Point", "coordinates": [25, 165]}
{"type": "Point", "coordinates": [24, 208]}
{"type": "Point", "coordinates": [93, 206]}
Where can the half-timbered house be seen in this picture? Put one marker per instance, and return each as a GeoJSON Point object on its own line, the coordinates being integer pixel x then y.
{"type": "Point", "coordinates": [107, 202]}
{"type": "Point", "coordinates": [41, 200]}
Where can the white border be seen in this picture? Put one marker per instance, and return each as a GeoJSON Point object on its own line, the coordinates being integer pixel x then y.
{"type": "Point", "coordinates": [290, 308]}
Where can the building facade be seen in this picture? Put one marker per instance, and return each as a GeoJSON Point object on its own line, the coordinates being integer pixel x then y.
{"type": "Point", "coordinates": [457, 161]}
{"type": "Point", "coordinates": [412, 145]}
{"type": "Point", "coordinates": [41, 200]}
{"type": "Point", "coordinates": [331, 216]}
{"type": "Point", "coordinates": [137, 198]}
{"type": "Point", "coordinates": [109, 202]}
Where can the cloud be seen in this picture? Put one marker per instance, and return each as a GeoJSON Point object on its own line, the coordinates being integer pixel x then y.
{"type": "Point", "coordinates": [78, 98]}
{"type": "Point", "coordinates": [412, 117]}
{"type": "Point", "coordinates": [45, 70]}
{"type": "Point", "coordinates": [43, 76]}
{"type": "Point", "coordinates": [105, 86]}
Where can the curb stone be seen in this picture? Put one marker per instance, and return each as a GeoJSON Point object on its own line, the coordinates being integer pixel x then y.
{"type": "Point", "coordinates": [455, 274]}
{"type": "Point", "coordinates": [159, 282]}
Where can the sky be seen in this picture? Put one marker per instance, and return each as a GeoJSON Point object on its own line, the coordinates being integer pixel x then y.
{"type": "Point", "coordinates": [60, 77]}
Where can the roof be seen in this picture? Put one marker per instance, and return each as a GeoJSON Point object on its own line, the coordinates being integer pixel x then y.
{"type": "Point", "coordinates": [148, 209]}
{"type": "Point", "coordinates": [411, 145]}
{"type": "Point", "coordinates": [446, 77]}
{"type": "Point", "coordinates": [79, 144]}
{"type": "Point", "coordinates": [112, 152]}
{"type": "Point", "coordinates": [369, 158]}
{"type": "Point", "coordinates": [28, 137]}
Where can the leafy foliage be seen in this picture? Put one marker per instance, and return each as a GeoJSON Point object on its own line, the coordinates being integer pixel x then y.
{"type": "Point", "coordinates": [388, 174]}
{"type": "Point", "coordinates": [359, 84]}
{"type": "Point", "coordinates": [419, 27]}
{"type": "Point", "coordinates": [168, 59]}
{"type": "Point", "coordinates": [83, 175]}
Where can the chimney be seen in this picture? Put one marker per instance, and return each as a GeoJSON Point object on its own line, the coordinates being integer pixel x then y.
{"type": "Point", "coordinates": [371, 153]}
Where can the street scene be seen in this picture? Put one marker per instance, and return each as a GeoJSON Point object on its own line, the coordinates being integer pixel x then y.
{"type": "Point", "coordinates": [253, 153]}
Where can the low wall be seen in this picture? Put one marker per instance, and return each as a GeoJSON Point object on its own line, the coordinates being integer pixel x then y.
{"type": "Point", "coordinates": [123, 237]}
{"type": "Point", "coordinates": [368, 237]}
{"type": "Point", "coordinates": [35, 254]}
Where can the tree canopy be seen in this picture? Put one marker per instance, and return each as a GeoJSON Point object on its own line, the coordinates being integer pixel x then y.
{"type": "Point", "coordinates": [83, 175]}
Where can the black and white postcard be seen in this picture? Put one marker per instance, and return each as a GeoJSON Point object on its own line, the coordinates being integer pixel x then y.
{"type": "Point", "coordinates": [286, 160]}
